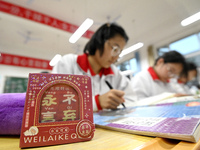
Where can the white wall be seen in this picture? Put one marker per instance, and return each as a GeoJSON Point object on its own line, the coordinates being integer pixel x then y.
{"type": "Point", "coordinates": [13, 71]}
{"type": "Point", "coordinates": [144, 57]}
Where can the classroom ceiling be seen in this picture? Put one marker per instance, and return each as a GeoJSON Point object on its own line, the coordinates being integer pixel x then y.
{"type": "Point", "coordinates": [147, 21]}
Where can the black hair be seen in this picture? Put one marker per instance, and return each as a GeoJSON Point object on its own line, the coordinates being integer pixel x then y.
{"type": "Point", "coordinates": [174, 57]}
{"type": "Point", "coordinates": [104, 33]}
{"type": "Point", "coordinates": [44, 72]}
{"type": "Point", "coordinates": [190, 66]}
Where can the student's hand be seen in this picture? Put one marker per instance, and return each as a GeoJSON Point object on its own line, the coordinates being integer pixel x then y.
{"type": "Point", "coordinates": [111, 99]}
{"type": "Point", "coordinates": [180, 95]}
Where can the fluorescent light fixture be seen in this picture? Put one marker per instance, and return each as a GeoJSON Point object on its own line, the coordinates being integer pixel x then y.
{"type": "Point", "coordinates": [81, 30]}
{"type": "Point", "coordinates": [131, 49]}
{"type": "Point", "coordinates": [190, 19]}
{"type": "Point", "coordinates": [55, 59]}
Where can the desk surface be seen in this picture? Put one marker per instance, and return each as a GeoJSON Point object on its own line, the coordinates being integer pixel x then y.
{"type": "Point", "coordinates": [109, 140]}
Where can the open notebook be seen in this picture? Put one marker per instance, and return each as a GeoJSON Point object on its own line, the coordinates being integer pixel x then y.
{"type": "Point", "coordinates": [180, 121]}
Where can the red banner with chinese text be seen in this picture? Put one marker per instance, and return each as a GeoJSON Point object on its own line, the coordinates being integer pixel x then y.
{"type": "Point", "coordinates": [21, 61]}
{"type": "Point", "coordinates": [40, 18]}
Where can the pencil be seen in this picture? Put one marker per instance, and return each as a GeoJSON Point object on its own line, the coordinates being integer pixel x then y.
{"type": "Point", "coordinates": [110, 86]}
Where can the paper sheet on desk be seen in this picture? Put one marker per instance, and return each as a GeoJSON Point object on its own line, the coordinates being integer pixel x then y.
{"type": "Point", "coordinates": [165, 98]}
{"type": "Point", "coordinates": [179, 99]}
{"type": "Point", "coordinates": [154, 99]}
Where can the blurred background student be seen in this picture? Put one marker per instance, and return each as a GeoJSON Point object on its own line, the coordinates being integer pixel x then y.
{"type": "Point", "coordinates": [188, 83]}
{"type": "Point", "coordinates": [100, 53]}
{"type": "Point", "coordinates": [155, 80]}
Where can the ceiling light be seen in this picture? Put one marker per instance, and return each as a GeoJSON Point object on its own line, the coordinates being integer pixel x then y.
{"type": "Point", "coordinates": [55, 59]}
{"type": "Point", "coordinates": [81, 30]}
{"type": "Point", "coordinates": [131, 49]}
{"type": "Point", "coordinates": [190, 19]}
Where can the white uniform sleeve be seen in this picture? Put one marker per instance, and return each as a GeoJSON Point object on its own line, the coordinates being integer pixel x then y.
{"type": "Point", "coordinates": [179, 87]}
{"type": "Point", "coordinates": [139, 86]}
{"type": "Point", "coordinates": [66, 64]}
{"type": "Point", "coordinates": [121, 82]}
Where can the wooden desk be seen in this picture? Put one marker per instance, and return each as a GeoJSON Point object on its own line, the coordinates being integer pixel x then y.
{"type": "Point", "coordinates": [109, 140]}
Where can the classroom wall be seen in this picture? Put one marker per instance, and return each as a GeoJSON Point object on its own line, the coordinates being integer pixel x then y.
{"type": "Point", "coordinates": [13, 71]}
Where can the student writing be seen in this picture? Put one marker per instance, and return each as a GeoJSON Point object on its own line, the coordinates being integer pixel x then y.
{"type": "Point", "coordinates": [100, 53]}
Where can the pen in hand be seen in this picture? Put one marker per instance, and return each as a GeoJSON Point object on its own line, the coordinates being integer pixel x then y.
{"type": "Point", "coordinates": [110, 86]}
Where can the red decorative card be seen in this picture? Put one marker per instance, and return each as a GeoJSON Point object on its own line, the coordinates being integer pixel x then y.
{"type": "Point", "coordinates": [58, 110]}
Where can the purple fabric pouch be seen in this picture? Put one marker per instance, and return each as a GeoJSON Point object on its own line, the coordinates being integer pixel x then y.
{"type": "Point", "coordinates": [11, 113]}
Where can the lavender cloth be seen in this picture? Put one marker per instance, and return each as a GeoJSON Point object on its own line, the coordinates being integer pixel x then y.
{"type": "Point", "coordinates": [11, 113]}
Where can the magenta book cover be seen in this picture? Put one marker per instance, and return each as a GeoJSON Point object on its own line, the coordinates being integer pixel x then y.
{"type": "Point", "coordinates": [179, 122]}
{"type": "Point", "coordinates": [58, 110]}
